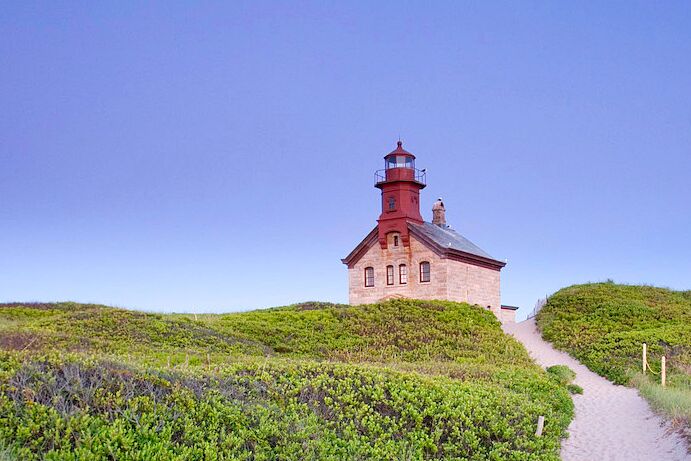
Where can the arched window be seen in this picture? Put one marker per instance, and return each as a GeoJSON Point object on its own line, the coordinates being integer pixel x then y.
{"type": "Point", "coordinates": [389, 275]}
{"type": "Point", "coordinates": [424, 271]}
{"type": "Point", "coordinates": [402, 274]}
{"type": "Point", "coordinates": [369, 276]}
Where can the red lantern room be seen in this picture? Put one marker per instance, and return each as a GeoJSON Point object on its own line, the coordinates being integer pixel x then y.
{"type": "Point", "coordinates": [400, 183]}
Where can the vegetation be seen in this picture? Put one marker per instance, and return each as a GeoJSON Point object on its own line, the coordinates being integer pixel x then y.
{"type": "Point", "coordinates": [574, 388]}
{"type": "Point", "coordinates": [399, 380]}
{"type": "Point", "coordinates": [564, 376]}
{"type": "Point", "coordinates": [561, 373]}
{"type": "Point", "coordinates": [674, 401]}
{"type": "Point", "coordinates": [604, 325]}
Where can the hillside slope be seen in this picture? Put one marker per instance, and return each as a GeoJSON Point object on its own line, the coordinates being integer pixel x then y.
{"type": "Point", "coordinates": [399, 380]}
{"type": "Point", "coordinates": [604, 325]}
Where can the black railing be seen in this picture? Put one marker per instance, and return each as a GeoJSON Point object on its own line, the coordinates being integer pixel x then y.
{"type": "Point", "coordinates": [400, 174]}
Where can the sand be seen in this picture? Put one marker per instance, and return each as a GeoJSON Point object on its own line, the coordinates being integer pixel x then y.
{"type": "Point", "coordinates": [612, 422]}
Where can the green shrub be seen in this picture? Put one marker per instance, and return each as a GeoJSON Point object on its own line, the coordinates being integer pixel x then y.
{"type": "Point", "coordinates": [561, 374]}
{"type": "Point", "coordinates": [564, 376]}
{"type": "Point", "coordinates": [397, 330]}
{"type": "Point", "coordinates": [574, 388]}
{"type": "Point", "coordinates": [604, 325]}
{"type": "Point", "coordinates": [398, 380]}
{"type": "Point", "coordinates": [264, 410]}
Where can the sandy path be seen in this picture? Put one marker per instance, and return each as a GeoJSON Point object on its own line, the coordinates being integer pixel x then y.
{"type": "Point", "coordinates": [612, 422]}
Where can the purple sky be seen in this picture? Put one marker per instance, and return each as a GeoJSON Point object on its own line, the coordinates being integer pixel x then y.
{"type": "Point", "coordinates": [219, 156]}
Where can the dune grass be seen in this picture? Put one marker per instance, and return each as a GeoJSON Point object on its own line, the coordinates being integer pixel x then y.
{"type": "Point", "coordinates": [674, 401]}
{"type": "Point", "coordinates": [6, 455]}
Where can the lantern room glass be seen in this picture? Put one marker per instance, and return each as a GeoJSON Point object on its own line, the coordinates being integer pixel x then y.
{"type": "Point", "coordinates": [399, 161]}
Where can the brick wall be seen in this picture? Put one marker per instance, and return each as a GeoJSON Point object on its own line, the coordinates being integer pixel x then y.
{"type": "Point", "coordinates": [474, 285]}
{"type": "Point", "coordinates": [451, 280]}
{"type": "Point", "coordinates": [411, 256]}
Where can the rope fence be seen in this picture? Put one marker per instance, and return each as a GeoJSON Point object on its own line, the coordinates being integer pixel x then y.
{"type": "Point", "coordinates": [663, 366]}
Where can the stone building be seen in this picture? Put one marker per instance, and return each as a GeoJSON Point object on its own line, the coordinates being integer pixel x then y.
{"type": "Point", "coordinates": [406, 257]}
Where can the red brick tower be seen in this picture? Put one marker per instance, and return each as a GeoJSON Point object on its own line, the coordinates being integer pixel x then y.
{"type": "Point", "coordinates": [400, 183]}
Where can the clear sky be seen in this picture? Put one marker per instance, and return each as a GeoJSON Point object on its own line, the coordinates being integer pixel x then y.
{"type": "Point", "coordinates": [220, 156]}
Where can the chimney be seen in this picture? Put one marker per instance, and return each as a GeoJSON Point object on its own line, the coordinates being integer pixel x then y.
{"type": "Point", "coordinates": [439, 213]}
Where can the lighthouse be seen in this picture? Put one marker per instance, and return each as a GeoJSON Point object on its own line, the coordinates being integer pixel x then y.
{"type": "Point", "coordinates": [404, 256]}
{"type": "Point", "coordinates": [400, 183]}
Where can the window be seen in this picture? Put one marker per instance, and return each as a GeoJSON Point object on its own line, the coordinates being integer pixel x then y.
{"type": "Point", "coordinates": [402, 274]}
{"type": "Point", "coordinates": [400, 161]}
{"type": "Point", "coordinates": [389, 275]}
{"type": "Point", "coordinates": [392, 203]}
{"type": "Point", "coordinates": [369, 276]}
{"type": "Point", "coordinates": [403, 161]}
{"type": "Point", "coordinates": [395, 240]}
{"type": "Point", "coordinates": [424, 271]}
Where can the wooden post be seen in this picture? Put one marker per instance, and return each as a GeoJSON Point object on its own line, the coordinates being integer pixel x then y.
{"type": "Point", "coordinates": [169, 361]}
{"type": "Point", "coordinates": [540, 425]}
{"type": "Point", "coordinates": [663, 371]}
{"type": "Point", "coordinates": [645, 355]}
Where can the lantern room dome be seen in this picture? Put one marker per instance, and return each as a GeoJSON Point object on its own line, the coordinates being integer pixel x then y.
{"type": "Point", "coordinates": [400, 151]}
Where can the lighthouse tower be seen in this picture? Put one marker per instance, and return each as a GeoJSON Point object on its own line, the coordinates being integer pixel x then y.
{"type": "Point", "coordinates": [400, 183]}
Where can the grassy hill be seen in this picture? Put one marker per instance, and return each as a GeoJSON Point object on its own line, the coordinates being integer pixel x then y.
{"type": "Point", "coordinates": [399, 380]}
{"type": "Point", "coordinates": [605, 324]}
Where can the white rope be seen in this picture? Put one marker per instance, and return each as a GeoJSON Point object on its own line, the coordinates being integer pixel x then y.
{"type": "Point", "coordinates": [648, 365]}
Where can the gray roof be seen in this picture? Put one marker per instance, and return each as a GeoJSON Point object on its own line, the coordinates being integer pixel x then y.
{"type": "Point", "coordinates": [446, 237]}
